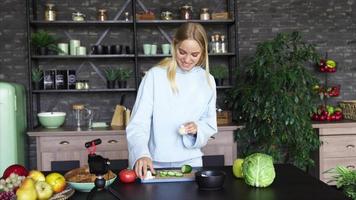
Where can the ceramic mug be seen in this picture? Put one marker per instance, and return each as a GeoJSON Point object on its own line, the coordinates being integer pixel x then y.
{"type": "Point", "coordinates": [73, 44]}
{"type": "Point", "coordinates": [147, 49]}
{"type": "Point", "coordinates": [153, 49]}
{"type": "Point", "coordinates": [81, 51]}
{"type": "Point", "coordinates": [63, 47]}
{"type": "Point", "coordinates": [166, 48]}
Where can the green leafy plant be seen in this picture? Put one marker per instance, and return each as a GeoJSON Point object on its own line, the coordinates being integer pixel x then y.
{"type": "Point", "coordinates": [37, 74]}
{"type": "Point", "coordinates": [345, 179]}
{"type": "Point", "coordinates": [274, 99]}
{"type": "Point", "coordinates": [124, 74]}
{"type": "Point", "coordinates": [111, 74]}
{"type": "Point", "coordinates": [43, 39]}
{"type": "Point", "coordinates": [219, 72]}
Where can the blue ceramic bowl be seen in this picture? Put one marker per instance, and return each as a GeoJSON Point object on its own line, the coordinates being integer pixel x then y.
{"type": "Point", "coordinates": [86, 187]}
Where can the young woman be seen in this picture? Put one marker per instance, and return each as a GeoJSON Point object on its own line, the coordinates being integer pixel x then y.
{"type": "Point", "coordinates": [175, 110]}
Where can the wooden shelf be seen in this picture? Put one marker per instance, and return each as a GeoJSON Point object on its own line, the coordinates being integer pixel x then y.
{"type": "Point", "coordinates": [76, 23]}
{"type": "Point", "coordinates": [83, 57]}
{"type": "Point", "coordinates": [178, 21]}
{"type": "Point", "coordinates": [86, 91]}
{"type": "Point", "coordinates": [164, 55]}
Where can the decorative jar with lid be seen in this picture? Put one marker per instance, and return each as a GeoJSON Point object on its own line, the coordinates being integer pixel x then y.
{"type": "Point", "coordinates": [186, 12]}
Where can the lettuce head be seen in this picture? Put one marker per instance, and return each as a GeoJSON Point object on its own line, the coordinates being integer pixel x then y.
{"type": "Point", "coordinates": [258, 170]}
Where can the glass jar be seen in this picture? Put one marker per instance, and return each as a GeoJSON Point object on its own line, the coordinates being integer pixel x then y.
{"type": "Point", "coordinates": [78, 16]}
{"type": "Point", "coordinates": [186, 12]}
{"type": "Point", "coordinates": [86, 85]}
{"type": "Point", "coordinates": [79, 85]}
{"type": "Point", "coordinates": [50, 13]}
{"type": "Point", "coordinates": [204, 14]}
{"type": "Point", "coordinates": [102, 15]}
{"type": "Point", "coordinates": [166, 15]}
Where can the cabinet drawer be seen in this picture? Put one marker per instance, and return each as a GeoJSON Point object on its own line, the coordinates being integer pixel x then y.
{"type": "Point", "coordinates": [338, 131]}
{"type": "Point", "coordinates": [75, 143]}
{"type": "Point", "coordinates": [338, 146]}
{"type": "Point", "coordinates": [329, 163]}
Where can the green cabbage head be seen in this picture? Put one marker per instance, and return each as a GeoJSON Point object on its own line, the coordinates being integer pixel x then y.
{"type": "Point", "coordinates": [258, 170]}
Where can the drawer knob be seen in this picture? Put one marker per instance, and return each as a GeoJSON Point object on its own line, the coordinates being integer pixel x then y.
{"type": "Point", "coordinates": [64, 142]}
{"type": "Point", "coordinates": [350, 166]}
{"type": "Point", "coordinates": [350, 146]}
{"type": "Point", "coordinates": [112, 141]}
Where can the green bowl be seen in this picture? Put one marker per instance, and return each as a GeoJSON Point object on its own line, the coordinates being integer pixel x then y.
{"type": "Point", "coordinates": [51, 119]}
{"type": "Point", "coordinates": [86, 187]}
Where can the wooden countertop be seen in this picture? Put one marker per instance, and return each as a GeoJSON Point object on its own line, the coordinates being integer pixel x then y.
{"type": "Point", "coordinates": [73, 131]}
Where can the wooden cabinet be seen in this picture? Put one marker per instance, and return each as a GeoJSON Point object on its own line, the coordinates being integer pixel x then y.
{"type": "Point", "coordinates": [338, 147]}
{"type": "Point", "coordinates": [65, 144]}
{"type": "Point", "coordinates": [223, 144]}
{"type": "Point", "coordinates": [68, 145]}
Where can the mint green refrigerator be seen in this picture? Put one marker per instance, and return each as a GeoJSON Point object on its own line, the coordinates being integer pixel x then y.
{"type": "Point", "coordinates": [13, 125]}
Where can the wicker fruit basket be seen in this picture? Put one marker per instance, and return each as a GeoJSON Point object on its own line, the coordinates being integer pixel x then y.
{"type": "Point", "coordinates": [348, 109]}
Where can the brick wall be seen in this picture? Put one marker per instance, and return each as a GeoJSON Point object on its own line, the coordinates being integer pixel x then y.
{"type": "Point", "coordinates": [328, 24]}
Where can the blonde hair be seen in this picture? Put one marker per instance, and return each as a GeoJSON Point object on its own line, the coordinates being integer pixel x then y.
{"type": "Point", "coordinates": [186, 31]}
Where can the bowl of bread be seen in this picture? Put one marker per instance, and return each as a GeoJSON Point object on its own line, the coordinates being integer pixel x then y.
{"type": "Point", "coordinates": [82, 180]}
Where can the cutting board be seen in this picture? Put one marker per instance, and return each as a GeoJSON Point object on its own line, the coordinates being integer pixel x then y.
{"type": "Point", "coordinates": [166, 179]}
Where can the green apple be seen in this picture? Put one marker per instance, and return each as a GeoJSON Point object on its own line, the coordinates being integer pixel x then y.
{"type": "Point", "coordinates": [36, 175]}
{"type": "Point", "coordinates": [330, 63]}
{"type": "Point", "coordinates": [237, 168]}
{"type": "Point", "coordinates": [44, 190]}
{"type": "Point", "coordinates": [57, 181]}
{"type": "Point", "coordinates": [330, 109]}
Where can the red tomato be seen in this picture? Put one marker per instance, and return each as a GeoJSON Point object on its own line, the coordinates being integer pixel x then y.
{"type": "Point", "coordinates": [127, 176]}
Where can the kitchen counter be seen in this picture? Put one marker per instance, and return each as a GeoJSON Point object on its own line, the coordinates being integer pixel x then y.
{"type": "Point", "coordinates": [290, 183]}
{"type": "Point", "coordinates": [74, 131]}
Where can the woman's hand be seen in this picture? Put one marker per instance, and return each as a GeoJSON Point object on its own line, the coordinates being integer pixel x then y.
{"type": "Point", "coordinates": [191, 128]}
{"type": "Point", "coordinates": [141, 166]}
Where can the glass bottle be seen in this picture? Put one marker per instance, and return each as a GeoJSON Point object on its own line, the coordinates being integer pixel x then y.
{"type": "Point", "coordinates": [212, 44]}
{"type": "Point", "coordinates": [217, 44]}
{"type": "Point", "coordinates": [102, 15]}
{"type": "Point", "coordinates": [223, 44]}
{"type": "Point", "coordinates": [50, 13]}
{"type": "Point", "coordinates": [86, 85]}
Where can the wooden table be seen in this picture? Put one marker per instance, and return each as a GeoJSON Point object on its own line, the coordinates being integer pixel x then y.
{"type": "Point", "coordinates": [290, 183]}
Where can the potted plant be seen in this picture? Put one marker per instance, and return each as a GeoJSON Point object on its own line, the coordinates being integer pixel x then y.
{"type": "Point", "coordinates": [123, 76]}
{"type": "Point", "coordinates": [111, 76]}
{"type": "Point", "coordinates": [44, 42]}
{"type": "Point", "coordinates": [219, 73]}
{"type": "Point", "coordinates": [36, 76]}
{"type": "Point", "coordinates": [274, 99]}
{"type": "Point", "coordinates": [345, 180]}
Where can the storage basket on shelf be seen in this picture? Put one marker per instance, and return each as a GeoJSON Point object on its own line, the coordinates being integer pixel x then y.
{"type": "Point", "coordinates": [348, 109]}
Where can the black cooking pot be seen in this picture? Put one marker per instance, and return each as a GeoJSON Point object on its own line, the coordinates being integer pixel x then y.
{"type": "Point", "coordinates": [210, 179]}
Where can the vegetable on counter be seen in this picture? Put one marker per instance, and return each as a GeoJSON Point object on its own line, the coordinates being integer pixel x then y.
{"type": "Point", "coordinates": [127, 176]}
{"type": "Point", "coordinates": [258, 170]}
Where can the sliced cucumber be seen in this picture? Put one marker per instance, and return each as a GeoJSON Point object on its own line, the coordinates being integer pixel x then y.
{"type": "Point", "coordinates": [178, 174]}
{"type": "Point", "coordinates": [171, 173]}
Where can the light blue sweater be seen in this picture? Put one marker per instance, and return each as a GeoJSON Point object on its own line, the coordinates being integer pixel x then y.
{"type": "Point", "coordinates": [158, 113]}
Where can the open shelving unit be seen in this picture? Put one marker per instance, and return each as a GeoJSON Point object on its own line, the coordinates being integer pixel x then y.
{"type": "Point", "coordinates": [136, 57]}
